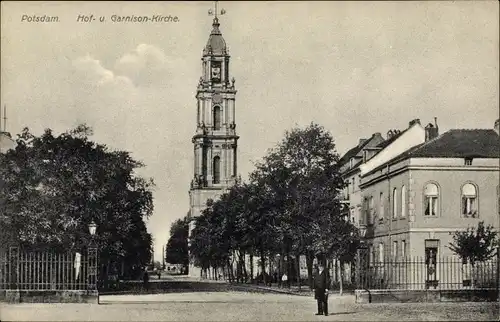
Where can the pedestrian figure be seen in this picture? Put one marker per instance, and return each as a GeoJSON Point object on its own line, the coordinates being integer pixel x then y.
{"type": "Point", "coordinates": [284, 279]}
{"type": "Point", "coordinates": [145, 279]}
{"type": "Point", "coordinates": [159, 274]}
{"type": "Point", "coordinates": [321, 285]}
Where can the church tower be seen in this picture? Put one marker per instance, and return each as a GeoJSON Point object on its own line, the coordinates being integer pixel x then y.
{"type": "Point", "coordinates": [215, 140]}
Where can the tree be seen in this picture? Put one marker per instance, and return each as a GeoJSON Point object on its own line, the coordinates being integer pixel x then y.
{"type": "Point", "coordinates": [177, 246]}
{"type": "Point", "coordinates": [303, 175]}
{"type": "Point", "coordinates": [475, 244]}
{"type": "Point", "coordinates": [54, 186]}
{"type": "Point", "coordinates": [291, 206]}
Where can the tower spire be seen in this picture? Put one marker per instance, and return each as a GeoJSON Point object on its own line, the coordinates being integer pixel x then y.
{"type": "Point", "coordinates": [216, 12]}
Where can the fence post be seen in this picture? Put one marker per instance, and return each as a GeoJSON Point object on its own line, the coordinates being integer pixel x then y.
{"type": "Point", "coordinates": [357, 269]}
{"type": "Point", "coordinates": [14, 267]}
{"type": "Point", "coordinates": [498, 273]}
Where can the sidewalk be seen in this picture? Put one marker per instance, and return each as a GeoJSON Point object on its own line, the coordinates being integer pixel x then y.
{"type": "Point", "coordinates": [292, 290]}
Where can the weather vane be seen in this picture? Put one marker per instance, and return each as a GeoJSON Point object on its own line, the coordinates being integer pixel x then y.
{"type": "Point", "coordinates": [214, 13]}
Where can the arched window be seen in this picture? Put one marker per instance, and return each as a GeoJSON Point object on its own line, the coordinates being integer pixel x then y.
{"type": "Point", "coordinates": [381, 205]}
{"type": "Point", "coordinates": [216, 169]}
{"type": "Point", "coordinates": [403, 202]}
{"type": "Point", "coordinates": [381, 252]}
{"type": "Point", "coordinates": [469, 200]}
{"type": "Point", "coordinates": [217, 118]}
{"type": "Point", "coordinates": [394, 203]}
{"type": "Point", "coordinates": [371, 211]}
{"type": "Point", "coordinates": [431, 197]}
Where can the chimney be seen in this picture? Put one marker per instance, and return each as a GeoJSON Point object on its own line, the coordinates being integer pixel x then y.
{"type": "Point", "coordinates": [412, 122]}
{"type": "Point", "coordinates": [497, 126]}
{"type": "Point", "coordinates": [431, 131]}
{"type": "Point", "coordinates": [361, 141]}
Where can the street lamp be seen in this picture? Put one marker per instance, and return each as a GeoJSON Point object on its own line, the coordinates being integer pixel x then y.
{"type": "Point", "coordinates": [93, 260]}
{"type": "Point", "coordinates": [362, 246]}
{"type": "Point", "coordinates": [92, 228]}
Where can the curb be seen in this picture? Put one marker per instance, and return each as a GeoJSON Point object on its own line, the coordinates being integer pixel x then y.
{"type": "Point", "coordinates": [273, 290]}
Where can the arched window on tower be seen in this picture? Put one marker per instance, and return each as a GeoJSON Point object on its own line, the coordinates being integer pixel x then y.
{"type": "Point", "coordinates": [216, 167]}
{"type": "Point", "coordinates": [217, 118]}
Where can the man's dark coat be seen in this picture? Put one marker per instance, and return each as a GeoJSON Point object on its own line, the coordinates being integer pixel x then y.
{"type": "Point", "coordinates": [321, 283]}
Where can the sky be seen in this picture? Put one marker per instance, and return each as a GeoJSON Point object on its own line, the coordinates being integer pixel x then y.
{"type": "Point", "coordinates": [355, 68]}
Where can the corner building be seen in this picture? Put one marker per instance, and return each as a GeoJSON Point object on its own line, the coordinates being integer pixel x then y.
{"type": "Point", "coordinates": [215, 141]}
{"type": "Point", "coordinates": [420, 189]}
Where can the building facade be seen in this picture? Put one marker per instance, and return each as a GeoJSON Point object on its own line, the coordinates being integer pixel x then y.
{"type": "Point", "coordinates": [422, 187]}
{"type": "Point", "coordinates": [349, 168]}
{"type": "Point", "coordinates": [215, 141]}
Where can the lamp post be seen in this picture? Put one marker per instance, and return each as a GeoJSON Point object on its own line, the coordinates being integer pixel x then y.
{"type": "Point", "coordinates": [362, 247]}
{"type": "Point", "coordinates": [93, 261]}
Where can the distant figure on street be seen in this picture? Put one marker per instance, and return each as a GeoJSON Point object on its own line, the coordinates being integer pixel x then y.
{"type": "Point", "coordinates": [159, 274]}
{"type": "Point", "coordinates": [284, 279]}
{"type": "Point", "coordinates": [145, 278]}
{"type": "Point", "coordinates": [321, 285]}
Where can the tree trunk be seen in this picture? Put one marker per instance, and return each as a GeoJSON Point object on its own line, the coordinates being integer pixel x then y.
{"type": "Point", "coordinates": [271, 273]}
{"type": "Point", "coordinates": [289, 268]}
{"type": "Point", "coordinates": [341, 273]}
{"type": "Point", "coordinates": [251, 267]}
{"type": "Point", "coordinates": [227, 277]}
{"type": "Point", "coordinates": [298, 271]}
{"type": "Point", "coordinates": [244, 267]}
{"type": "Point", "coordinates": [263, 265]}
{"type": "Point", "coordinates": [309, 263]}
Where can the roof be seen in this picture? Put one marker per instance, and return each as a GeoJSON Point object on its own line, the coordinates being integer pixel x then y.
{"type": "Point", "coordinates": [6, 142]}
{"type": "Point", "coordinates": [458, 143]}
{"type": "Point", "coordinates": [216, 44]}
{"type": "Point", "coordinates": [393, 138]}
{"type": "Point", "coordinates": [353, 152]}
{"type": "Point", "coordinates": [477, 143]}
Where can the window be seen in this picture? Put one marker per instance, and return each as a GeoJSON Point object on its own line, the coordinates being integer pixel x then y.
{"type": "Point", "coordinates": [468, 161]}
{"type": "Point", "coordinates": [395, 250]}
{"type": "Point", "coordinates": [216, 167]}
{"type": "Point", "coordinates": [469, 200]}
{"type": "Point", "coordinates": [217, 118]}
{"type": "Point", "coordinates": [371, 254]}
{"type": "Point", "coordinates": [372, 212]}
{"type": "Point", "coordinates": [381, 205]}
{"type": "Point", "coordinates": [403, 202]}
{"type": "Point", "coordinates": [403, 249]}
{"type": "Point", "coordinates": [498, 199]}
{"type": "Point", "coordinates": [381, 252]}
{"type": "Point", "coordinates": [394, 203]}
{"type": "Point", "coordinates": [431, 194]}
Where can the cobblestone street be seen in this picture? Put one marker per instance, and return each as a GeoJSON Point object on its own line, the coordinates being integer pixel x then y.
{"type": "Point", "coordinates": [241, 306]}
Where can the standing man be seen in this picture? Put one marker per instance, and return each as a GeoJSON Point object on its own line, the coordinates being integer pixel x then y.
{"type": "Point", "coordinates": [145, 278]}
{"type": "Point", "coordinates": [321, 286]}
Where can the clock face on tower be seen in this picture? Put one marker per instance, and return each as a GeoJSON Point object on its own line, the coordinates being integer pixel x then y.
{"type": "Point", "coordinates": [216, 72]}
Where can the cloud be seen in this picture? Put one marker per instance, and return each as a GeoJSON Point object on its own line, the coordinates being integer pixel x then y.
{"type": "Point", "coordinates": [91, 71]}
{"type": "Point", "coordinates": [146, 65]}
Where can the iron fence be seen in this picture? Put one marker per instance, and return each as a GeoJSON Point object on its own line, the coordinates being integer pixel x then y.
{"type": "Point", "coordinates": [417, 273]}
{"type": "Point", "coordinates": [23, 270]}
